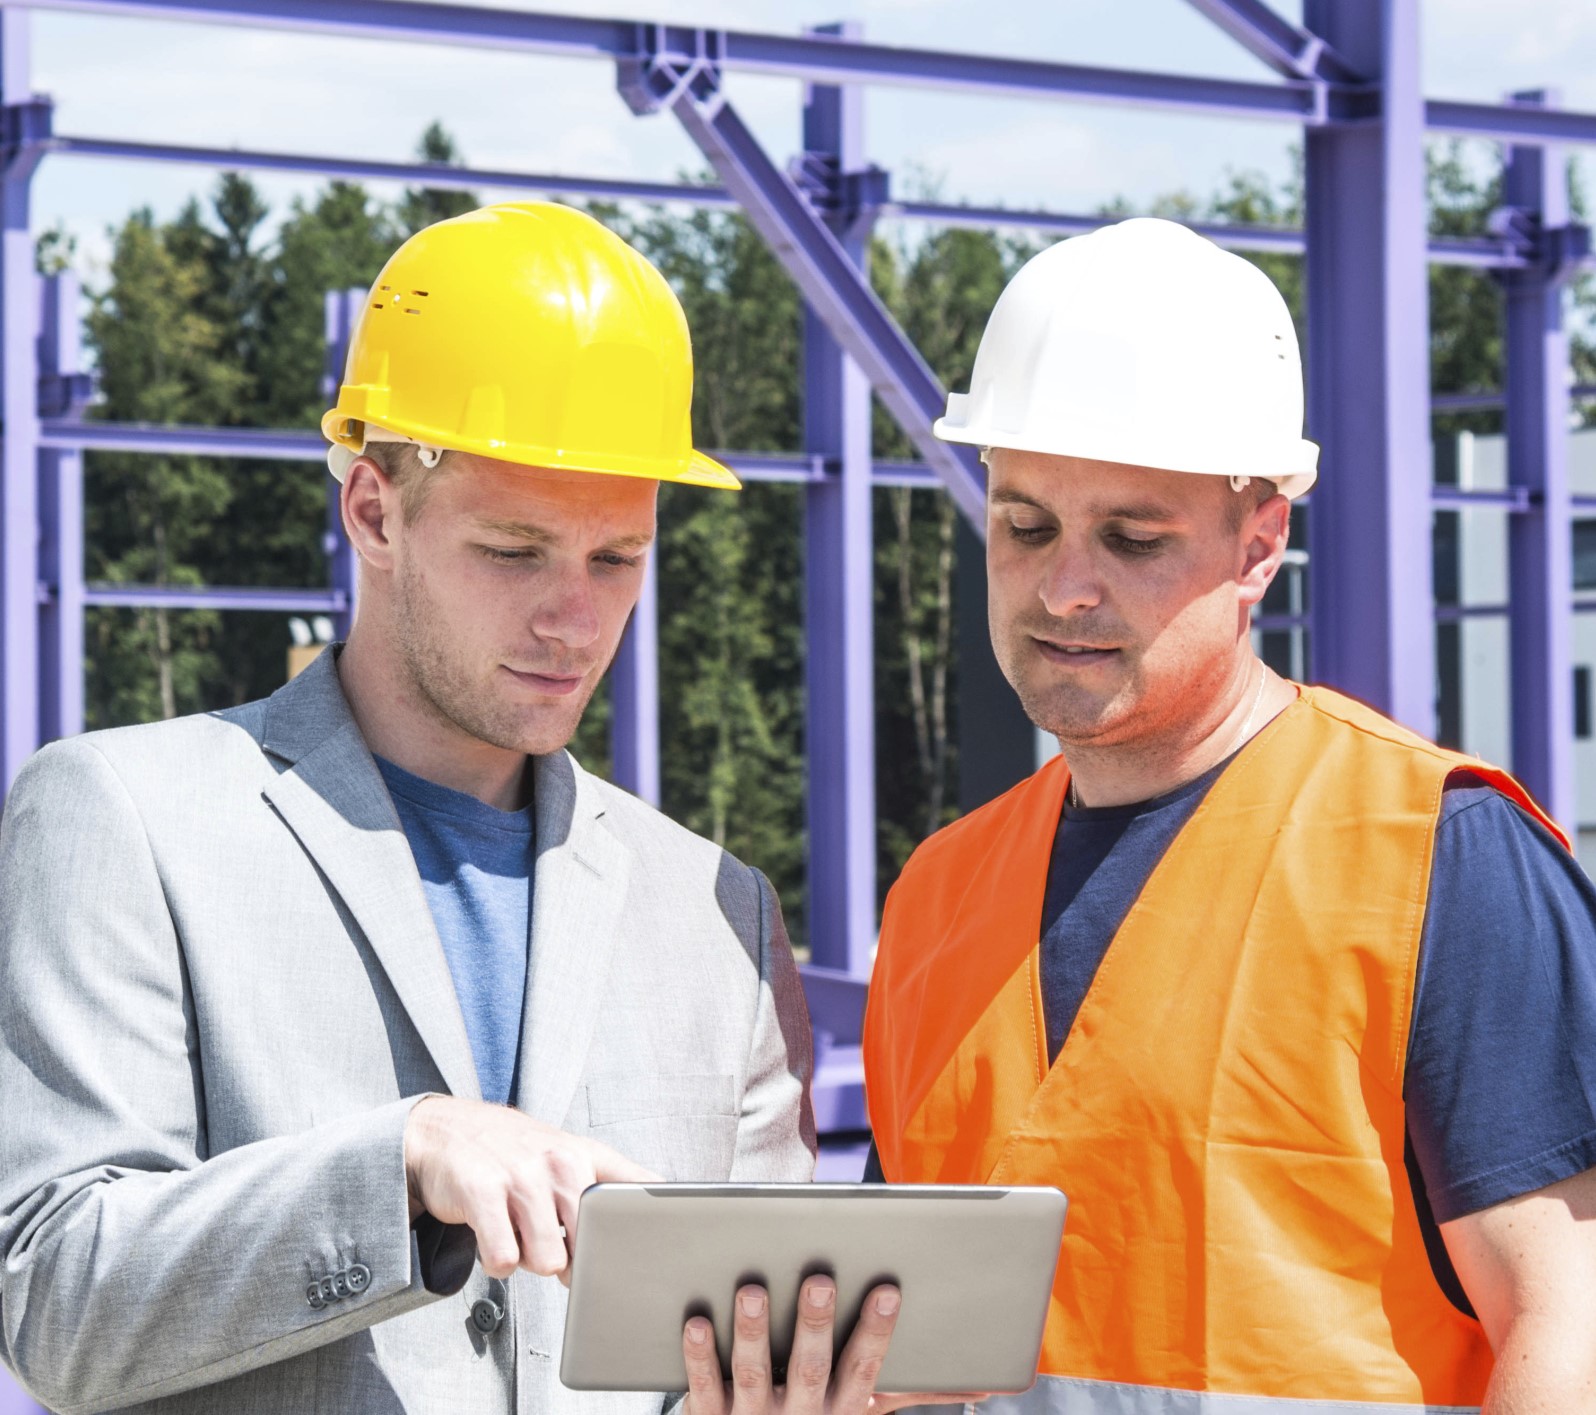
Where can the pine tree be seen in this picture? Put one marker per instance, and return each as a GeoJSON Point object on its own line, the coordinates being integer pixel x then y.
{"type": "Point", "coordinates": [421, 206]}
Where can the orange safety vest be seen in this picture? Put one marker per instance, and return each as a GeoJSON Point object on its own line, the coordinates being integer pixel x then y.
{"type": "Point", "coordinates": [1226, 1113]}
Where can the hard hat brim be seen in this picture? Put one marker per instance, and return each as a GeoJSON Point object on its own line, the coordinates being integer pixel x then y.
{"type": "Point", "coordinates": [348, 440]}
{"type": "Point", "coordinates": [1292, 483]}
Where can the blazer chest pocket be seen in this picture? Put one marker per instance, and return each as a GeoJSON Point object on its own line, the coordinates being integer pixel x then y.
{"type": "Point", "coordinates": [684, 1127]}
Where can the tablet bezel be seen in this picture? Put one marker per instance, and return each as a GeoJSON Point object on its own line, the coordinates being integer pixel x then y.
{"type": "Point", "coordinates": [624, 1317]}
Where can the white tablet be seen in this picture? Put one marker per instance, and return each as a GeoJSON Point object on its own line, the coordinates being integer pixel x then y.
{"type": "Point", "coordinates": [975, 1265]}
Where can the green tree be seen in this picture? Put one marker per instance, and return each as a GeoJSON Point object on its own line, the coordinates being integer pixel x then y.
{"type": "Point", "coordinates": [421, 206]}
{"type": "Point", "coordinates": [730, 566]}
{"type": "Point", "coordinates": [161, 359]}
{"type": "Point", "coordinates": [941, 290]}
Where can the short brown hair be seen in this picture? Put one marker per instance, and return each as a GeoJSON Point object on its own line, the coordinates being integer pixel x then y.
{"type": "Point", "coordinates": [1244, 502]}
{"type": "Point", "coordinates": [401, 463]}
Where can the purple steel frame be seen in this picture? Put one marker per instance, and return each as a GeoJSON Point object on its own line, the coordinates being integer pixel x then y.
{"type": "Point", "coordinates": [839, 567]}
{"type": "Point", "coordinates": [1540, 552]}
{"type": "Point", "coordinates": [1368, 371]}
{"type": "Point", "coordinates": [1349, 75]}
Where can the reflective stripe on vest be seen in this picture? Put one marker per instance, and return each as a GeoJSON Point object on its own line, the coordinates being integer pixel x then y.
{"type": "Point", "coordinates": [1226, 1114]}
{"type": "Point", "coordinates": [1063, 1395]}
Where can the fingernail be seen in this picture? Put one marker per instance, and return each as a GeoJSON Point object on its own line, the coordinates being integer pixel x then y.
{"type": "Point", "coordinates": [821, 1295]}
{"type": "Point", "coordinates": [752, 1303]}
{"type": "Point", "coordinates": [887, 1303]}
{"type": "Point", "coordinates": [697, 1333]}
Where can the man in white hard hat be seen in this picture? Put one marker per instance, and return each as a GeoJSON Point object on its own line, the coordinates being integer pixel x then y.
{"type": "Point", "coordinates": [317, 1015]}
{"type": "Point", "coordinates": [1298, 1008]}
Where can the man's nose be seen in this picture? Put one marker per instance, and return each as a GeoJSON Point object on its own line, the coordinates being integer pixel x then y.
{"type": "Point", "coordinates": [1070, 585]}
{"type": "Point", "coordinates": [567, 610]}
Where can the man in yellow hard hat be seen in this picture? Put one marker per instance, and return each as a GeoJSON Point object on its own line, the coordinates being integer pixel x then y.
{"type": "Point", "coordinates": [1298, 1008]}
{"type": "Point", "coordinates": [317, 1015]}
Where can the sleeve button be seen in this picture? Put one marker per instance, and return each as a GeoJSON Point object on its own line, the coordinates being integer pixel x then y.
{"type": "Point", "coordinates": [359, 1277]}
{"type": "Point", "coordinates": [314, 1297]}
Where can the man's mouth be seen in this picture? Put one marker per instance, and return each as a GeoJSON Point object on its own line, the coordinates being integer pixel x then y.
{"type": "Point", "coordinates": [555, 685]}
{"type": "Point", "coordinates": [1075, 655]}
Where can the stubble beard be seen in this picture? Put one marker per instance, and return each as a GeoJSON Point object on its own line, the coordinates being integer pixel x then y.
{"type": "Point", "coordinates": [445, 687]}
{"type": "Point", "coordinates": [1057, 708]}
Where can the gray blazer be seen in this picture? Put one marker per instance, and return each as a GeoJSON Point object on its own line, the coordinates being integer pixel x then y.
{"type": "Point", "coordinates": [220, 994]}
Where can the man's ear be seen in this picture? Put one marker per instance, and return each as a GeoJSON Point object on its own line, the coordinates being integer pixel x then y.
{"type": "Point", "coordinates": [1265, 535]}
{"type": "Point", "coordinates": [371, 511]}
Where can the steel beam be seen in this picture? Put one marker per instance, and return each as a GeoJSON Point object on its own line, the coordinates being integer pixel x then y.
{"type": "Point", "coordinates": [1515, 499]}
{"type": "Point", "coordinates": [60, 527]}
{"type": "Point", "coordinates": [245, 597]}
{"type": "Point", "coordinates": [341, 312]}
{"type": "Point", "coordinates": [1510, 122]}
{"type": "Point", "coordinates": [19, 372]}
{"type": "Point", "coordinates": [839, 658]}
{"type": "Point", "coordinates": [828, 280]}
{"type": "Point", "coordinates": [357, 169]}
{"type": "Point", "coordinates": [634, 685]}
{"type": "Point", "coordinates": [278, 445]}
{"type": "Point", "coordinates": [1368, 371]}
{"type": "Point", "coordinates": [1288, 50]}
{"type": "Point", "coordinates": [1485, 402]}
{"type": "Point", "coordinates": [834, 61]}
{"type": "Point", "coordinates": [293, 445]}
{"type": "Point", "coordinates": [1540, 549]}
{"type": "Point", "coordinates": [1481, 252]}
{"type": "Point", "coordinates": [811, 58]}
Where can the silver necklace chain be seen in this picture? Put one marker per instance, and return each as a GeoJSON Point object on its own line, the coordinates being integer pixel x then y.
{"type": "Point", "coordinates": [1073, 798]}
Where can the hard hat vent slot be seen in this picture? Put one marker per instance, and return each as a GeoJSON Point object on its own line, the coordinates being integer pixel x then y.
{"type": "Point", "coordinates": [422, 293]}
{"type": "Point", "coordinates": [376, 304]}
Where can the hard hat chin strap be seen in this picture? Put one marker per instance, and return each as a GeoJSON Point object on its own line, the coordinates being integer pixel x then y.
{"type": "Point", "coordinates": [1240, 483]}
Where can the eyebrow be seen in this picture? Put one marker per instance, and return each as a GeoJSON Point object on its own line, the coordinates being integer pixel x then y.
{"type": "Point", "coordinates": [538, 535]}
{"type": "Point", "coordinates": [1124, 511]}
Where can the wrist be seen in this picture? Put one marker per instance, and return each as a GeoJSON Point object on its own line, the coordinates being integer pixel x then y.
{"type": "Point", "coordinates": [416, 1145]}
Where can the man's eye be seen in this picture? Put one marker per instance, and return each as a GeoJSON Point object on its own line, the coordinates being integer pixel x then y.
{"type": "Point", "coordinates": [1131, 545]}
{"type": "Point", "coordinates": [1029, 535]}
{"type": "Point", "coordinates": [503, 556]}
{"type": "Point", "coordinates": [619, 562]}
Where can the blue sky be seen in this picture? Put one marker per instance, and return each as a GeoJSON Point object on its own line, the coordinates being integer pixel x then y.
{"type": "Point", "coordinates": [223, 86]}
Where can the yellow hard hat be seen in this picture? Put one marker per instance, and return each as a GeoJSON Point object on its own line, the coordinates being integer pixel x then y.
{"type": "Point", "coordinates": [530, 333]}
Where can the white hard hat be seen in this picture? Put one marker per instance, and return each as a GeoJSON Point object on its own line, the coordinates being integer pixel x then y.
{"type": "Point", "coordinates": [1147, 344]}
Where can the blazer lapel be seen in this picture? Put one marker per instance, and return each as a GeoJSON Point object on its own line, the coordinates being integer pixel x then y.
{"type": "Point", "coordinates": [333, 799]}
{"type": "Point", "coordinates": [578, 889]}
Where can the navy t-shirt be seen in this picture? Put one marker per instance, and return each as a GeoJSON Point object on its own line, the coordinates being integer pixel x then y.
{"type": "Point", "coordinates": [1501, 1077]}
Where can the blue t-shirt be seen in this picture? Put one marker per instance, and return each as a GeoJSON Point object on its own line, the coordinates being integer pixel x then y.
{"type": "Point", "coordinates": [476, 868]}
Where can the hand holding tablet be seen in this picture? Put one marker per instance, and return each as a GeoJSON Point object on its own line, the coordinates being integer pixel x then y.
{"type": "Point", "coordinates": [815, 1385]}
{"type": "Point", "coordinates": [813, 1293]}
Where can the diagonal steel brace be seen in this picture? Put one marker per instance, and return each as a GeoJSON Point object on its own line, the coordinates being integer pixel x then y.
{"type": "Point", "coordinates": [1289, 50]}
{"type": "Point", "coordinates": [835, 288]}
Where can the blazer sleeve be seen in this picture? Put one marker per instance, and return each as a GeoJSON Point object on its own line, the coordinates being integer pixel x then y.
{"type": "Point", "coordinates": [133, 1261]}
{"type": "Point", "coordinates": [776, 1131]}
